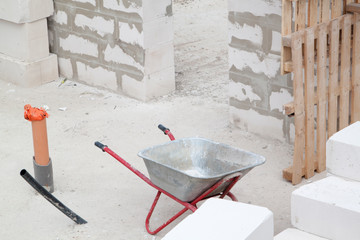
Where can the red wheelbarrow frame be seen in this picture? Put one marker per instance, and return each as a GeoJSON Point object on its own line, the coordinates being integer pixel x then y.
{"type": "Point", "coordinates": [232, 179]}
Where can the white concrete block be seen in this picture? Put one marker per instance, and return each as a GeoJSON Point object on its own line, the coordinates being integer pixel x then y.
{"type": "Point", "coordinates": [128, 33]}
{"type": "Point", "coordinates": [117, 5]}
{"type": "Point", "coordinates": [152, 85]}
{"type": "Point", "coordinates": [278, 99]}
{"type": "Point", "coordinates": [343, 152]}
{"type": "Point", "coordinates": [223, 219]}
{"type": "Point", "coordinates": [117, 55]}
{"type": "Point", "coordinates": [97, 76]}
{"type": "Point", "coordinates": [92, 2]}
{"type": "Point", "coordinates": [256, 7]}
{"type": "Point", "coordinates": [256, 62]}
{"type": "Point", "coordinates": [28, 74]}
{"type": "Point", "coordinates": [159, 58]}
{"type": "Point", "coordinates": [242, 92]}
{"type": "Point", "coordinates": [296, 234]}
{"type": "Point", "coordinates": [252, 121]}
{"type": "Point", "coordinates": [79, 45]}
{"type": "Point", "coordinates": [276, 41]}
{"type": "Point", "coordinates": [98, 24]}
{"type": "Point", "coordinates": [148, 10]}
{"type": "Point", "coordinates": [65, 67]}
{"type": "Point", "coordinates": [155, 33]}
{"type": "Point", "coordinates": [329, 208]}
{"type": "Point", "coordinates": [253, 34]}
{"type": "Point", "coordinates": [60, 17]}
{"type": "Point", "coordinates": [24, 11]}
{"type": "Point", "coordinates": [158, 32]}
{"type": "Point", "coordinates": [25, 41]}
{"type": "Point", "coordinates": [156, 9]}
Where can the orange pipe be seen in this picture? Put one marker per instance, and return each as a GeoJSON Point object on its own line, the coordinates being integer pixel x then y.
{"type": "Point", "coordinates": [37, 117]}
{"type": "Point", "coordinates": [41, 148]}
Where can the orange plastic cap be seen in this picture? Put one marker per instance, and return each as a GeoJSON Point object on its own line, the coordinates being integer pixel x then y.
{"type": "Point", "coordinates": [34, 114]}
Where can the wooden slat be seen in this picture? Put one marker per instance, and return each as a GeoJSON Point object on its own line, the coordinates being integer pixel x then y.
{"type": "Point", "coordinates": [336, 8]}
{"type": "Point", "coordinates": [300, 15]}
{"type": "Point", "coordinates": [286, 23]}
{"type": "Point", "coordinates": [353, 7]}
{"type": "Point", "coordinates": [345, 73]}
{"type": "Point", "coordinates": [309, 102]}
{"type": "Point", "coordinates": [324, 11]}
{"type": "Point", "coordinates": [289, 108]}
{"type": "Point", "coordinates": [322, 99]}
{"type": "Point", "coordinates": [333, 76]}
{"type": "Point", "coordinates": [296, 51]}
{"type": "Point", "coordinates": [355, 96]}
{"type": "Point", "coordinates": [312, 12]}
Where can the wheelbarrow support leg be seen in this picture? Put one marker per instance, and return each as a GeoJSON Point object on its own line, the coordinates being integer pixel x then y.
{"type": "Point", "coordinates": [147, 222]}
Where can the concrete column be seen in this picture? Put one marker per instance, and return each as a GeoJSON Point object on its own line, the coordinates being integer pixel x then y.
{"type": "Point", "coordinates": [123, 46]}
{"type": "Point", "coordinates": [24, 45]}
{"type": "Point", "coordinates": [257, 90]}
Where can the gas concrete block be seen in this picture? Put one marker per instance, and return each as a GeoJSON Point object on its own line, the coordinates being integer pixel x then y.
{"type": "Point", "coordinates": [296, 234]}
{"type": "Point", "coordinates": [328, 208]}
{"type": "Point", "coordinates": [343, 152]}
{"type": "Point", "coordinates": [153, 34]}
{"type": "Point", "coordinates": [25, 41]}
{"type": "Point", "coordinates": [97, 76]}
{"type": "Point", "coordinates": [252, 121]}
{"type": "Point", "coordinates": [147, 10]}
{"type": "Point", "coordinates": [157, 59]}
{"type": "Point", "coordinates": [256, 7]}
{"type": "Point", "coordinates": [28, 74]}
{"type": "Point", "coordinates": [152, 85]}
{"type": "Point", "coordinates": [79, 45]}
{"type": "Point", "coordinates": [25, 11]}
{"type": "Point", "coordinates": [224, 219]}
{"type": "Point", "coordinates": [267, 64]}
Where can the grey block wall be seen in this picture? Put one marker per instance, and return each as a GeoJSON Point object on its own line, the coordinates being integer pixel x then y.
{"type": "Point", "coordinates": [257, 89]}
{"type": "Point", "coordinates": [121, 45]}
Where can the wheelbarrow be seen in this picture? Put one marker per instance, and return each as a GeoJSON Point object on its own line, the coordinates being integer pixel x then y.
{"type": "Point", "coordinates": [190, 170]}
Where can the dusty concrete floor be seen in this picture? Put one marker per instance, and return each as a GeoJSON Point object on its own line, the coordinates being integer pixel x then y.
{"type": "Point", "coordinates": [112, 199]}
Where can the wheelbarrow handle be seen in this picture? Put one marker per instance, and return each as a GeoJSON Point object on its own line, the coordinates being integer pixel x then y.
{"type": "Point", "coordinates": [166, 131]}
{"type": "Point", "coordinates": [100, 145]}
{"type": "Point", "coordinates": [163, 128]}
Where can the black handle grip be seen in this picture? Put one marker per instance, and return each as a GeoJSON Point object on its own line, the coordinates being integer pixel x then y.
{"type": "Point", "coordinates": [100, 145]}
{"type": "Point", "coordinates": [163, 128]}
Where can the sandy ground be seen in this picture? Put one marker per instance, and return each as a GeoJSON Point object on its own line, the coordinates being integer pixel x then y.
{"type": "Point", "coordinates": [112, 199]}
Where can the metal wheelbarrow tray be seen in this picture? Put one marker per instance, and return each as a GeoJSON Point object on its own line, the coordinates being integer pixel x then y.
{"type": "Point", "coordinates": [190, 170]}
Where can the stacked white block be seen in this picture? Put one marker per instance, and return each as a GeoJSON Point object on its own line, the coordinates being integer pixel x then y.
{"type": "Point", "coordinates": [296, 234]}
{"type": "Point", "coordinates": [24, 44]}
{"type": "Point", "coordinates": [224, 219]}
{"type": "Point", "coordinates": [343, 152]}
{"type": "Point", "coordinates": [328, 208]}
{"type": "Point", "coordinates": [25, 11]}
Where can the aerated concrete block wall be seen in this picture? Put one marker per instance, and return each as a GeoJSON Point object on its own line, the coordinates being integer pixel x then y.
{"type": "Point", "coordinates": [121, 45]}
{"type": "Point", "coordinates": [257, 89]}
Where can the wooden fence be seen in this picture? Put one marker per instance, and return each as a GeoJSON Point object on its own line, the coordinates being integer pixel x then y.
{"type": "Point", "coordinates": [300, 14]}
{"type": "Point", "coordinates": [325, 61]}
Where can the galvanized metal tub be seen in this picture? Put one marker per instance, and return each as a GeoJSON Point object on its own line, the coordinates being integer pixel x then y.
{"type": "Point", "coordinates": [187, 167]}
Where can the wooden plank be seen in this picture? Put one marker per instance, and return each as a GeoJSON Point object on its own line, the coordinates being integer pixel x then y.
{"type": "Point", "coordinates": [353, 7]}
{"type": "Point", "coordinates": [333, 77]}
{"type": "Point", "coordinates": [322, 99]}
{"type": "Point", "coordinates": [336, 8]}
{"type": "Point", "coordinates": [355, 96]}
{"type": "Point", "coordinates": [309, 103]}
{"type": "Point", "coordinates": [286, 23]}
{"type": "Point", "coordinates": [312, 13]}
{"type": "Point", "coordinates": [289, 108]}
{"type": "Point", "coordinates": [300, 15]}
{"type": "Point", "coordinates": [296, 51]}
{"type": "Point", "coordinates": [345, 73]}
{"type": "Point", "coordinates": [324, 11]}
